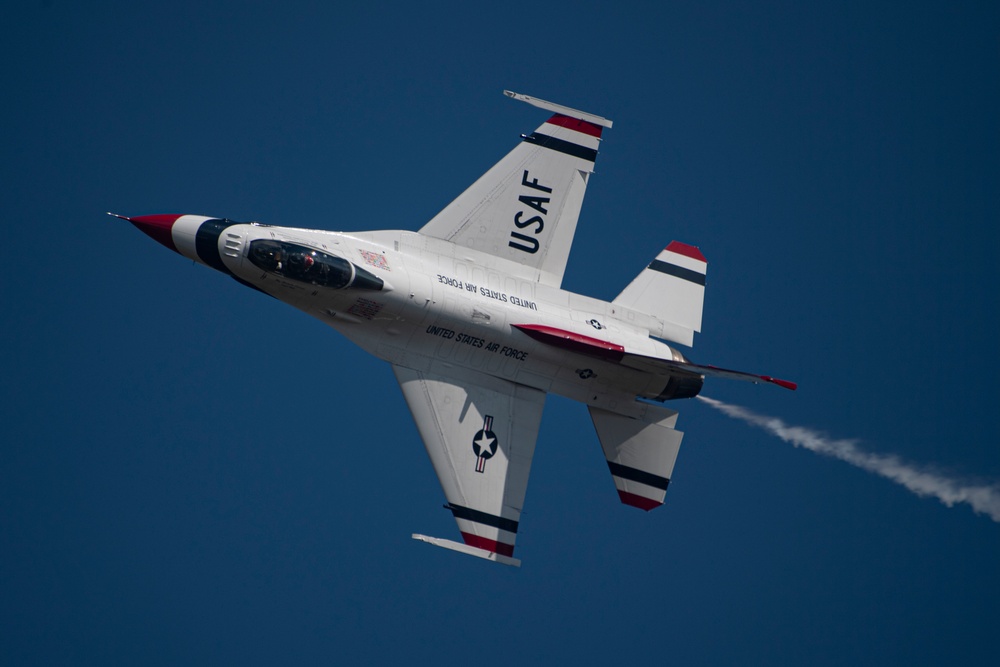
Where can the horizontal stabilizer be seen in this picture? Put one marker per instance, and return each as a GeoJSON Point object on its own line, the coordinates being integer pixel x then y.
{"type": "Point", "coordinates": [671, 289]}
{"type": "Point", "coordinates": [466, 549]}
{"type": "Point", "coordinates": [654, 363]}
{"type": "Point", "coordinates": [715, 371]}
{"type": "Point", "coordinates": [608, 351]}
{"type": "Point", "coordinates": [640, 451]}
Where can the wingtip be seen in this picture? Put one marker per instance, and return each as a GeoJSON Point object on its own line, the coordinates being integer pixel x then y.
{"type": "Point", "coordinates": [467, 549]}
{"type": "Point", "coordinates": [119, 216]}
{"type": "Point", "coordinates": [560, 109]}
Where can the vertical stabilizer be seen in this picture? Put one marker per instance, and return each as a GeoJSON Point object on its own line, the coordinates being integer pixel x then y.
{"type": "Point", "coordinates": [671, 289]}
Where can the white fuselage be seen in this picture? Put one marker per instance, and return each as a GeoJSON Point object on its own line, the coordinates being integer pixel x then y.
{"type": "Point", "coordinates": [444, 306]}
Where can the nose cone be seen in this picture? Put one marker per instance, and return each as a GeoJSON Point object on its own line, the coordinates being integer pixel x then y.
{"type": "Point", "coordinates": [157, 227]}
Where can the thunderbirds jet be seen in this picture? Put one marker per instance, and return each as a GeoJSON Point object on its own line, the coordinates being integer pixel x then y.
{"type": "Point", "coordinates": [470, 313]}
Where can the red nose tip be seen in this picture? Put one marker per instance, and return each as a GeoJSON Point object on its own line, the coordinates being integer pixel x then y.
{"type": "Point", "coordinates": [157, 227]}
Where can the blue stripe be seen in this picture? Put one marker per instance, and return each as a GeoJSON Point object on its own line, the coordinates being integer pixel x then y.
{"type": "Point", "coordinates": [482, 517]}
{"type": "Point", "coordinates": [636, 475]}
{"type": "Point", "coordinates": [206, 243]}
{"type": "Point", "coordinates": [678, 272]}
{"type": "Point", "coordinates": [561, 145]}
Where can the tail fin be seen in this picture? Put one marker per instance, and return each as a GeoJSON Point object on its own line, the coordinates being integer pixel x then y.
{"type": "Point", "coordinates": [641, 452]}
{"type": "Point", "coordinates": [671, 289]}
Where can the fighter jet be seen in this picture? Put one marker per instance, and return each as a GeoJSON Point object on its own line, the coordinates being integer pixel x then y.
{"type": "Point", "coordinates": [470, 312]}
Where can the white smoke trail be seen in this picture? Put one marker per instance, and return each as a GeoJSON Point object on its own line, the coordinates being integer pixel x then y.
{"type": "Point", "coordinates": [923, 481]}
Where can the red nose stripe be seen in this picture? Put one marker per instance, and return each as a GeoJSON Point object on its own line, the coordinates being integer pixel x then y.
{"type": "Point", "coordinates": [157, 227]}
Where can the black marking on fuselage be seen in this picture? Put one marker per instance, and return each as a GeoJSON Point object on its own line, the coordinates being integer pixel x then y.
{"type": "Point", "coordinates": [636, 475]}
{"type": "Point", "coordinates": [206, 243]}
{"type": "Point", "coordinates": [561, 145]}
{"type": "Point", "coordinates": [678, 272]}
{"type": "Point", "coordinates": [482, 517]}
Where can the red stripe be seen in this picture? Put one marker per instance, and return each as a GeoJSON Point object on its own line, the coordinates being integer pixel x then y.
{"type": "Point", "coordinates": [781, 383]}
{"type": "Point", "coordinates": [573, 341]}
{"type": "Point", "coordinates": [157, 227]}
{"type": "Point", "coordinates": [686, 250]}
{"type": "Point", "coordinates": [575, 124]}
{"type": "Point", "coordinates": [490, 545]}
{"type": "Point", "coordinates": [638, 501]}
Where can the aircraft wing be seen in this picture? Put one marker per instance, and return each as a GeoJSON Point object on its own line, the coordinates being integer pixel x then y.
{"type": "Point", "coordinates": [526, 207]}
{"type": "Point", "coordinates": [480, 433]}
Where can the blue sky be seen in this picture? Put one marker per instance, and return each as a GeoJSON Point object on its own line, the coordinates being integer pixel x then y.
{"type": "Point", "coordinates": [193, 473]}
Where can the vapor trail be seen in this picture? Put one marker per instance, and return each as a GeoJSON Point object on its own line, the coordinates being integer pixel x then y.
{"type": "Point", "coordinates": [923, 481]}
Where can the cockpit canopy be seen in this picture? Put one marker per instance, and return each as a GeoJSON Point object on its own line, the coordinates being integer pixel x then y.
{"type": "Point", "coordinates": [308, 265]}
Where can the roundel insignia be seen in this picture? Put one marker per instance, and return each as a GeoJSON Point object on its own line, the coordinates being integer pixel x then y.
{"type": "Point", "coordinates": [484, 443]}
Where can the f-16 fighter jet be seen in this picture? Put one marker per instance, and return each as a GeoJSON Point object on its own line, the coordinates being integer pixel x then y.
{"type": "Point", "coordinates": [470, 313]}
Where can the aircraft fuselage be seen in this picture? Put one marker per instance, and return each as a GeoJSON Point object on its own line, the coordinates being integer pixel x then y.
{"type": "Point", "coordinates": [431, 304]}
